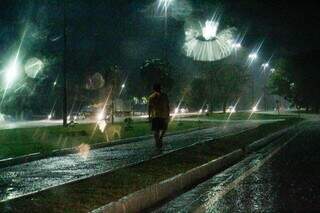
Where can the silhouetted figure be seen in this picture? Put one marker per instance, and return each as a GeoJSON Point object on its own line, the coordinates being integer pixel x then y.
{"type": "Point", "coordinates": [159, 113]}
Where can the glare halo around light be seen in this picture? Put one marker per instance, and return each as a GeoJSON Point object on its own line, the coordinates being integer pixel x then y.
{"type": "Point", "coordinates": [33, 66]}
{"type": "Point", "coordinates": [206, 43]}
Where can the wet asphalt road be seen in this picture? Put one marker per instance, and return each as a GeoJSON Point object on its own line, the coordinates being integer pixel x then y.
{"type": "Point", "coordinates": [38, 175]}
{"type": "Point", "coordinates": [282, 177]}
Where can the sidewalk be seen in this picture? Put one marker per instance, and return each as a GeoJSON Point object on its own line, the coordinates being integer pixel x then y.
{"type": "Point", "coordinates": [28, 178]}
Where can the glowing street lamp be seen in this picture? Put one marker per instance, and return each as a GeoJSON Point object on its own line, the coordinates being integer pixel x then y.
{"type": "Point", "coordinates": [236, 46]}
{"type": "Point", "coordinates": [254, 109]}
{"type": "Point", "coordinates": [123, 86]}
{"type": "Point", "coordinates": [265, 65]}
{"type": "Point", "coordinates": [11, 73]}
{"type": "Point", "coordinates": [209, 43]}
{"type": "Point", "coordinates": [164, 4]}
{"type": "Point", "coordinates": [253, 56]}
{"type": "Point", "coordinates": [209, 31]}
{"type": "Point", "coordinates": [100, 116]}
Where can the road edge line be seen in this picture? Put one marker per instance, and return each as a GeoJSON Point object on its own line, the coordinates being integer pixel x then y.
{"type": "Point", "coordinates": [245, 174]}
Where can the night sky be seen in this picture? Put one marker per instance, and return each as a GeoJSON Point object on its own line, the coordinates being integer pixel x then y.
{"type": "Point", "coordinates": [123, 32]}
{"type": "Point", "coordinates": [123, 28]}
{"type": "Point", "coordinates": [291, 25]}
{"type": "Point", "coordinates": [126, 33]}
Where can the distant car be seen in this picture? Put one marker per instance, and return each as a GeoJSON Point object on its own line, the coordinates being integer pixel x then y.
{"type": "Point", "coordinates": [231, 109]}
{"type": "Point", "coordinates": [87, 111]}
{"type": "Point", "coordinates": [4, 117]}
{"type": "Point", "coordinates": [80, 116]}
{"type": "Point", "coordinates": [76, 116]}
{"type": "Point", "coordinates": [184, 110]}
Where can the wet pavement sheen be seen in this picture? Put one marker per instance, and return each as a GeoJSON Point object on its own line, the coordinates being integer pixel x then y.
{"type": "Point", "coordinates": [38, 175]}
{"type": "Point", "coordinates": [289, 180]}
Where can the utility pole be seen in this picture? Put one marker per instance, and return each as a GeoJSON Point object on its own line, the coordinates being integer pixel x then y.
{"type": "Point", "coordinates": [166, 38]}
{"type": "Point", "coordinates": [265, 98]}
{"type": "Point", "coordinates": [112, 103]}
{"type": "Point", "coordinates": [166, 8]}
{"type": "Point", "coordinates": [64, 74]}
{"type": "Point", "coordinates": [252, 91]}
{"type": "Point", "coordinates": [115, 73]}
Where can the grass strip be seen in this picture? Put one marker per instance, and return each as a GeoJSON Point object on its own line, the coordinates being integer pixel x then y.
{"type": "Point", "coordinates": [91, 193]}
{"type": "Point", "coordinates": [17, 142]}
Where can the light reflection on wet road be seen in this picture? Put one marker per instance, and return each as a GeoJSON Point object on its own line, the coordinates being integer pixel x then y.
{"type": "Point", "coordinates": [30, 177]}
{"type": "Point", "coordinates": [288, 181]}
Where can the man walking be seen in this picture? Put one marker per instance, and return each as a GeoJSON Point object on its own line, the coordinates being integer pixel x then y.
{"type": "Point", "coordinates": [159, 113]}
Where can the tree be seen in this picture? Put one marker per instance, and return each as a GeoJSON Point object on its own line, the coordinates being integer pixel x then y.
{"type": "Point", "coordinates": [228, 83]}
{"type": "Point", "coordinates": [279, 81]}
{"type": "Point", "coordinates": [156, 71]}
{"type": "Point", "coordinates": [297, 80]}
{"type": "Point", "coordinates": [224, 81]}
{"type": "Point", "coordinates": [113, 85]}
{"type": "Point", "coordinates": [197, 94]}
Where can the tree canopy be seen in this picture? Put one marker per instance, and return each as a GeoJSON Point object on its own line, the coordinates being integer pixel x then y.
{"type": "Point", "coordinates": [297, 80]}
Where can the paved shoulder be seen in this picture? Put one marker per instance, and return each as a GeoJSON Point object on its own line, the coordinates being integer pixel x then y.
{"type": "Point", "coordinates": [271, 180]}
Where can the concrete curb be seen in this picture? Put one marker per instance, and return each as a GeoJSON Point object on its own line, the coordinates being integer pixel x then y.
{"type": "Point", "coordinates": [264, 141]}
{"type": "Point", "coordinates": [150, 196]}
{"type": "Point", "coordinates": [60, 152]}
{"type": "Point", "coordinates": [19, 160]}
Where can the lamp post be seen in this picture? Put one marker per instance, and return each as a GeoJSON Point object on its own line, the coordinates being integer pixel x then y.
{"type": "Point", "coordinates": [164, 5]}
{"type": "Point", "coordinates": [64, 74]}
{"type": "Point", "coordinates": [252, 57]}
{"type": "Point", "coordinates": [267, 77]}
{"type": "Point", "coordinates": [264, 67]}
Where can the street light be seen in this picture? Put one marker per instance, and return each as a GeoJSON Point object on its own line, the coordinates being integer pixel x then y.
{"type": "Point", "coordinates": [253, 56]}
{"type": "Point", "coordinates": [64, 70]}
{"type": "Point", "coordinates": [265, 65]}
{"type": "Point", "coordinates": [209, 31]}
{"type": "Point", "coordinates": [254, 109]}
{"type": "Point", "coordinates": [100, 116]}
{"type": "Point", "coordinates": [164, 5]}
{"type": "Point", "coordinates": [236, 46]}
{"type": "Point", "coordinates": [11, 73]}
